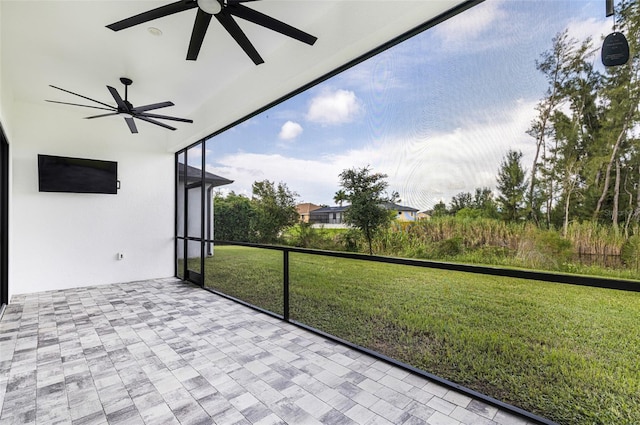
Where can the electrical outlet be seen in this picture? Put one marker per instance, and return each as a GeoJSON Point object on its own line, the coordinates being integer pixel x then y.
{"type": "Point", "coordinates": [120, 256]}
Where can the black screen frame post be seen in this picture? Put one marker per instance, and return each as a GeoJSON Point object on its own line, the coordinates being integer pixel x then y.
{"type": "Point", "coordinates": [4, 220]}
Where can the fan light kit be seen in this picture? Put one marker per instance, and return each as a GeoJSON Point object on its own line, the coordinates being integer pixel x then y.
{"type": "Point", "coordinates": [224, 11]}
{"type": "Point", "coordinates": [212, 7]}
{"type": "Point", "coordinates": [125, 109]}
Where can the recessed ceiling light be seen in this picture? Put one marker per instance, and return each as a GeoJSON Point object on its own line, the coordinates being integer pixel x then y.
{"type": "Point", "coordinates": [154, 31]}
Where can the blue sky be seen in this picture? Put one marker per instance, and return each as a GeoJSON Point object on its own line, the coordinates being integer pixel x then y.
{"type": "Point", "coordinates": [435, 113]}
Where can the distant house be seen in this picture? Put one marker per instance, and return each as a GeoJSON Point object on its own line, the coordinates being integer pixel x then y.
{"type": "Point", "coordinates": [305, 209]}
{"type": "Point", "coordinates": [190, 185]}
{"type": "Point", "coordinates": [425, 215]}
{"type": "Point", "coordinates": [403, 213]}
{"type": "Point", "coordinates": [335, 215]}
{"type": "Point", "coordinates": [328, 215]}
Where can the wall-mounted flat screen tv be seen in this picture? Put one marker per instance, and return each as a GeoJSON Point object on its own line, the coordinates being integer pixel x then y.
{"type": "Point", "coordinates": [76, 175]}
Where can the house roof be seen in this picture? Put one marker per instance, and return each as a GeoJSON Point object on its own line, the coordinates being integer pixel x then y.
{"type": "Point", "coordinates": [397, 207]}
{"type": "Point", "coordinates": [66, 44]}
{"type": "Point", "coordinates": [328, 210]}
{"type": "Point", "coordinates": [194, 174]}
{"type": "Point", "coordinates": [388, 205]}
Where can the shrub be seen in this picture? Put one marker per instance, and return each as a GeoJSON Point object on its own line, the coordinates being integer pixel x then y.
{"type": "Point", "coordinates": [350, 240]}
{"type": "Point", "coordinates": [630, 252]}
{"type": "Point", "coordinates": [304, 235]}
{"type": "Point", "coordinates": [449, 247]}
{"type": "Point", "coordinates": [544, 249]}
{"type": "Point", "coordinates": [490, 255]}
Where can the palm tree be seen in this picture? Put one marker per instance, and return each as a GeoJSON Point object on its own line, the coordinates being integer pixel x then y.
{"type": "Point", "coordinates": [340, 197]}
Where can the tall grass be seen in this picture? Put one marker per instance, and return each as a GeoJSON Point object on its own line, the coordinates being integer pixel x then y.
{"type": "Point", "coordinates": [588, 248]}
{"type": "Point", "coordinates": [593, 238]}
{"type": "Point", "coordinates": [403, 238]}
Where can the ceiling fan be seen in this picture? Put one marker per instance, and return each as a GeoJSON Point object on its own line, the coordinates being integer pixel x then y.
{"type": "Point", "coordinates": [125, 109]}
{"type": "Point", "coordinates": [224, 11]}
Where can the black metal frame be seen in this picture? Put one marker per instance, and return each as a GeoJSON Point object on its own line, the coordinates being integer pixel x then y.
{"type": "Point", "coordinates": [4, 220]}
{"type": "Point", "coordinates": [191, 276]}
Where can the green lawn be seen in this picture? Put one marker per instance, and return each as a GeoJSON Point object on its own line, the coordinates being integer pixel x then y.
{"type": "Point", "coordinates": [568, 353]}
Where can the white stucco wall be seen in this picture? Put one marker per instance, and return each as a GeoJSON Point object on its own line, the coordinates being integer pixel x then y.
{"type": "Point", "coordinates": [1, 93]}
{"type": "Point", "coordinates": [5, 88]}
{"type": "Point", "coordinates": [64, 240]}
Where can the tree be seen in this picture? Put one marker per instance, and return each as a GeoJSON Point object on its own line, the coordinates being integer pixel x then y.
{"type": "Point", "coordinates": [460, 201]}
{"type": "Point", "coordinates": [567, 165]}
{"type": "Point", "coordinates": [483, 202]}
{"type": "Point", "coordinates": [365, 192]}
{"type": "Point", "coordinates": [512, 185]}
{"type": "Point", "coordinates": [561, 65]}
{"type": "Point", "coordinates": [275, 209]}
{"type": "Point", "coordinates": [480, 204]}
{"type": "Point", "coordinates": [621, 95]}
{"type": "Point", "coordinates": [574, 138]}
{"type": "Point", "coordinates": [340, 197]}
{"type": "Point", "coordinates": [439, 210]}
{"type": "Point", "coordinates": [586, 133]}
{"type": "Point", "coordinates": [233, 216]}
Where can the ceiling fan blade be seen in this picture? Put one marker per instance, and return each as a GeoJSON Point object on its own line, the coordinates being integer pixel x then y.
{"type": "Point", "coordinates": [117, 98]}
{"type": "Point", "coordinates": [143, 118]}
{"type": "Point", "coordinates": [150, 15]}
{"type": "Point", "coordinates": [84, 106]}
{"type": "Point", "coordinates": [100, 116]}
{"type": "Point", "coordinates": [131, 124]}
{"type": "Point", "coordinates": [164, 117]}
{"type": "Point", "coordinates": [143, 108]}
{"type": "Point", "coordinates": [261, 19]}
{"type": "Point", "coordinates": [197, 35]}
{"type": "Point", "coordinates": [236, 32]}
{"type": "Point", "coordinates": [84, 97]}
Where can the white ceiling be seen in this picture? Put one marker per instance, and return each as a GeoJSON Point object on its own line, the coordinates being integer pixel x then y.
{"type": "Point", "coordinates": [65, 43]}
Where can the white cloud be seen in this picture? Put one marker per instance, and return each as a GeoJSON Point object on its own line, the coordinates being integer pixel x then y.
{"type": "Point", "coordinates": [290, 130]}
{"type": "Point", "coordinates": [591, 27]}
{"type": "Point", "coordinates": [470, 24]}
{"type": "Point", "coordinates": [424, 168]}
{"type": "Point", "coordinates": [311, 179]}
{"type": "Point", "coordinates": [334, 107]}
{"type": "Point", "coordinates": [380, 73]}
{"type": "Point", "coordinates": [194, 156]}
{"type": "Point", "coordinates": [436, 167]}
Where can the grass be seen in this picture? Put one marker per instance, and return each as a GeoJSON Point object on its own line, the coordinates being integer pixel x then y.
{"type": "Point", "coordinates": [254, 276]}
{"type": "Point", "coordinates": [564, 352]}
